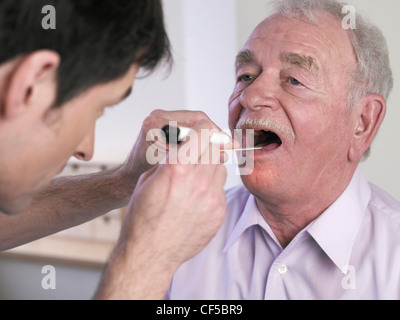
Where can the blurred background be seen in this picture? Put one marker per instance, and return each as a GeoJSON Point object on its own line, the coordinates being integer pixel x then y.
{"type": "Point", "coordinates": [205, 35]}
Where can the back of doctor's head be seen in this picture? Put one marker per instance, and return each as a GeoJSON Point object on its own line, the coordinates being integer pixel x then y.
{"type": "Point", "coordinates": [97, 40]}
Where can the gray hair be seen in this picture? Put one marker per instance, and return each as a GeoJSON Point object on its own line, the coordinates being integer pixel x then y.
{"type": "Point", "coordinates": [373, 74]}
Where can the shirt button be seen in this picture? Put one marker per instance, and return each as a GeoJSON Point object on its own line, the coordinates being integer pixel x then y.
{"type": "Point", "coordinates": [282, 269]}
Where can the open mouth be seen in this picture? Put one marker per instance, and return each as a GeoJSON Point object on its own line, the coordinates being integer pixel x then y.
{"type": "Point", "coordinates": [267, 140]}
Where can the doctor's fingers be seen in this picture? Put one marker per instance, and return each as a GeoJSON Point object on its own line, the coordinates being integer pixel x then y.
{"type": "Point", "coordinates": [197, 149]}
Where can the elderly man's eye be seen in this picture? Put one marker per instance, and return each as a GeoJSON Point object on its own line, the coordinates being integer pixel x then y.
{"type": "Point", "coordinates": [295, 82]}
{"type": "Point", "coordinates": [246, 78]}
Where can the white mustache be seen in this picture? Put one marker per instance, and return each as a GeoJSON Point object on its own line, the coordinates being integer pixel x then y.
{"type": "Point", "coordinates": [270, 125]}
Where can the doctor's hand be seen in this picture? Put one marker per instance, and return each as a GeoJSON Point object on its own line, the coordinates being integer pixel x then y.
{"type": "Point", "coordinates": [175, 211]}
{"type": "Point", "coordinates": [137, 163]}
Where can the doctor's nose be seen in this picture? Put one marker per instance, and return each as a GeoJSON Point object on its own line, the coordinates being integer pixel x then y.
{"type": "Point", "coordinates": [85, 150]}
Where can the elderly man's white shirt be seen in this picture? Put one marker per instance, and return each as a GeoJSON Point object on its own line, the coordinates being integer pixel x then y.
{"type": "Point", "coordinates": [352, 251]}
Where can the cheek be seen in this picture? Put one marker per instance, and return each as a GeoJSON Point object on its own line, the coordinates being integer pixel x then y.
{"type": "Point", "coordinates": [323, 136]}
{"type": "Point", "coordinates": [76, 129]}
{"type": "Point", "coordinates": [234, 109]}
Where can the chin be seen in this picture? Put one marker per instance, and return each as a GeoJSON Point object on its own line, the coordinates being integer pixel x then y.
{"type": "Point", "coordinates": [267, 181]}
{"type": "Point", "coordinates": [257, 181]}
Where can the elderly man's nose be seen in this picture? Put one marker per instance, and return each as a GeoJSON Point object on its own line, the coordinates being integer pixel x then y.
{"type": "Point", "coordinates": [85, 150]}
{"type": "Point", "coordinates": [258, 95]}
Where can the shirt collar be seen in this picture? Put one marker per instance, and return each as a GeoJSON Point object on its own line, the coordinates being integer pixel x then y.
{"type": "Point", "coordinates": [248, 218]}
{"type": "Point", "coordinates": [336, 229]}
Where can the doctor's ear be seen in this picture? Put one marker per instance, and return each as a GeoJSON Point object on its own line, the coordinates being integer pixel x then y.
{"type": "Point", "coordinates": [32, 82]}
{"type": "Point", "coordinates": [369, 113]}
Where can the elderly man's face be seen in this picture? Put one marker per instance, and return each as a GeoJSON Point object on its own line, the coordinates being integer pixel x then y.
{"type": "Point", "coordinates": [292, 80]}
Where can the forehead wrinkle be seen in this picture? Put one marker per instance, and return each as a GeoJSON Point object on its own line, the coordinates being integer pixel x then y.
{"type": "Point", "coordinates": [302, 61]}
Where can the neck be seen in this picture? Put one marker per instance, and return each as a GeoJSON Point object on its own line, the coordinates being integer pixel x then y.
{"type": "Point", "coordinates": [287, 217]}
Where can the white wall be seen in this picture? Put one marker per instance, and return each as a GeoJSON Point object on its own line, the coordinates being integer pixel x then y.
{"type": "Point", "coordinates": [209, 51]}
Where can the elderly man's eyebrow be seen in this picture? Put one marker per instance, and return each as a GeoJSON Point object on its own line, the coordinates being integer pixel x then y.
{"type": "Point", "coordinates": [302, 61]}
{"type": "Point", "coordinates": [244, 57]}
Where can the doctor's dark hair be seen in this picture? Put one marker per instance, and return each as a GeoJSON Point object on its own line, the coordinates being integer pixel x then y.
{"type": "Point", "coordinates": [97, 40]}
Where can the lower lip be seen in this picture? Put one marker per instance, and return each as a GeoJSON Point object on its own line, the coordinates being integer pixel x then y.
{"type": "Point", "coordinates": [267, 149]}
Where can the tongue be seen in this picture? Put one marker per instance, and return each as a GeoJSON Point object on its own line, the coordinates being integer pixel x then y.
{"type": "Point", "coordinates": [267, 146]}
{"type": "Point", "coordinates": [271, 146]}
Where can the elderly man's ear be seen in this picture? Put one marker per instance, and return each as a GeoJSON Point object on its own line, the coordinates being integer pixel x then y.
{"type": "Point", "coordinates": [31, 81]}
{"type": "Point", "coordinates": [369, 114]}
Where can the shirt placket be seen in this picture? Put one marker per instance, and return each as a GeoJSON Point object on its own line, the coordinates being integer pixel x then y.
{"type": "Point", "coordinates": [280, 273]}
